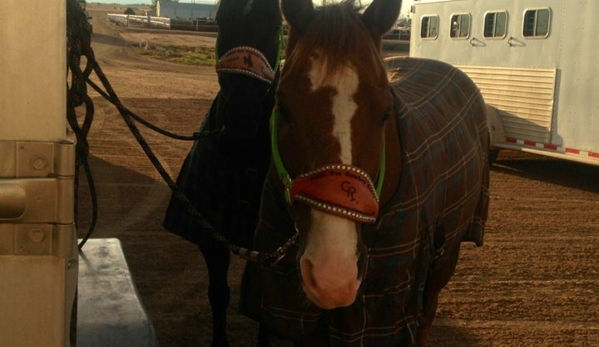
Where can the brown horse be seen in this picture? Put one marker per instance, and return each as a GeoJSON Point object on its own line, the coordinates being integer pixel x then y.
{"type": "Point", "coordinates": [382, 169]}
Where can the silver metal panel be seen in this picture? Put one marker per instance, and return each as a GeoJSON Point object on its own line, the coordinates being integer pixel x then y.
{"type": "Point", "coordinates": [38, 277]}
{"type": "Point", "coordinates": [44, 171]}
{"type": "Point", "coordinates": [37, 198]}
{"type": "Point", "coordinates": [7, 234]}
{"type": "Point", "coordinates": [13, 201]}
{"type": "Point", "coordinates": [33, 239]}
{"type": "Point", "coordinates": [22, 159]}
{"type": "Point", "coordinates": [33, 70]}
{"type": "Point", "coordinates": [524, 98]}
{"type": "Point", "coordinates": [34, 159]}
{"type": "Point", "coordinates": [110, 312]}
{"type": "Point", "coordinates": [37, 239]}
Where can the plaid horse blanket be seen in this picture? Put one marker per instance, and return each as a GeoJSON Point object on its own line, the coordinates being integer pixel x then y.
{"type": "Point", "coordinates": [441, 201]}
{"type": "Point", "coordinates": [223, 178]}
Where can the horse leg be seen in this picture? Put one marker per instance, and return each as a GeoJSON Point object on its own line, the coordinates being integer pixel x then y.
{"type": "Point", "coordinates": [438, 279]}
{"type": "Point", "coordinates": [217, 262]}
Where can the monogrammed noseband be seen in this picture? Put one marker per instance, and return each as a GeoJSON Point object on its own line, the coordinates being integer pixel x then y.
{"type": "Point", "coordinates": [338, 189]}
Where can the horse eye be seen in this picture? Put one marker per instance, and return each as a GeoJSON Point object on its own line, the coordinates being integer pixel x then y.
{"type": "Point", "coordinates": [386, 116]}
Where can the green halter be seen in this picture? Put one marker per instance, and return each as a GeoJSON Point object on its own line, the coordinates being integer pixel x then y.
{"type": "Point", "coordinates": [282, 171]}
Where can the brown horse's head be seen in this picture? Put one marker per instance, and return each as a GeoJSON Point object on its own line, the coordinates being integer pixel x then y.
{"type": "Point", "coordinates": [333, 102]}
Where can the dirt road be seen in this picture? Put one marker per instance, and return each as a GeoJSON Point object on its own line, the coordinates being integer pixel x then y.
{"type": "Point", "coordinates": [534, 283]}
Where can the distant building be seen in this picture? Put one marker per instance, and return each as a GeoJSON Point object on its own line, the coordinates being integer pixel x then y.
{"type": "Point", "coordinates": [184, 10]}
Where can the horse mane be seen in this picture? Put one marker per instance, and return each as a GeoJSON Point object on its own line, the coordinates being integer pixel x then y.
{"type": "Point", "coordinates": [337, 32]}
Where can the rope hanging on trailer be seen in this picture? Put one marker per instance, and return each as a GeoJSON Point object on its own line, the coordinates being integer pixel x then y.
{"type": "Point", "coordinates": [79, 44]}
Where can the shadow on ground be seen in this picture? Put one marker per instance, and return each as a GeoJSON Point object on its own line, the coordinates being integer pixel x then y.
{"type": "Point", "coordinates": [561, 172]}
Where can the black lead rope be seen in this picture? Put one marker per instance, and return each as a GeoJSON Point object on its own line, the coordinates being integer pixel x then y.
{"type": "Point", "coordinates": [79, 43]}
{"type": "Point", "coordinates": [78, 34]}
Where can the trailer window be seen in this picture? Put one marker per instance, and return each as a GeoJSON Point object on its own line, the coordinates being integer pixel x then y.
{"type": "Point", "coordinates": [495, 24]}
{"type": "Point", "coordinates": [460, 25]}
{"type": "Point", "coordinates": [536, 23]}
{"type": "Point", "coordinates": [429, 28]}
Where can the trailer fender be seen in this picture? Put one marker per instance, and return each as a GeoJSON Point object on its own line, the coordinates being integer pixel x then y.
{"type": "Point", "coordinates": [496, 132]}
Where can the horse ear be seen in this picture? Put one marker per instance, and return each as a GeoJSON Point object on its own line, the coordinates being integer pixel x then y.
{"type": "Point", "coordinates": [380, 16]}
{"type": "Point", "coordinates": [297, 12]}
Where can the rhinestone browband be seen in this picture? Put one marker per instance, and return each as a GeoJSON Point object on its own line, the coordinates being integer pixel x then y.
{"type": "Point", "coordinates": [246, 61]}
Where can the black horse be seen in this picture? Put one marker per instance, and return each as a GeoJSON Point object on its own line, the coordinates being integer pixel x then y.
{"type": "Point", "coordinates": [224, 172]}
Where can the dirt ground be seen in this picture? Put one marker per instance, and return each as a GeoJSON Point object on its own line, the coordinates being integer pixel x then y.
{"type": "Point", "coordinates": [534, 283]}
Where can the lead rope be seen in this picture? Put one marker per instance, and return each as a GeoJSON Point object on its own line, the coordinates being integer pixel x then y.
{"type": "Point", "coordinates": [79, 33]}
{"type": "Point", "coordinates": [79, 43]}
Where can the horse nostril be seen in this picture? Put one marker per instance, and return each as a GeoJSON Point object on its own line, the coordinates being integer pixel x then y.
{"type": "Point", "coordinates": [307, 272]}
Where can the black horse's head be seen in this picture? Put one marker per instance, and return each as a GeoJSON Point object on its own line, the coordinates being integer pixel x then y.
{"type": "Point", "coordinates": [248, 50]}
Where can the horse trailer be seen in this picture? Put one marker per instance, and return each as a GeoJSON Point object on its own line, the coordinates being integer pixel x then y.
{"type": "Point", "coordinates": [51, 294]}
{"type": "Point", "coordinates": [534, 62]}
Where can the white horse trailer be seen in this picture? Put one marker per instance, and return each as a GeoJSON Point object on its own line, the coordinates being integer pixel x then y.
{"type": "Point", "coordinates": [38, 251]}
{"type": "Point", "coordinates": [41, 270]}
{"type": "Point", "coordinates": [535, 62]}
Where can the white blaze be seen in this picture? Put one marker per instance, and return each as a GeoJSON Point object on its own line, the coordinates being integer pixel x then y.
{"type": "Point", "coordinates": [329, 263]}
{"type": "Point", "coordinates": [345, 82]}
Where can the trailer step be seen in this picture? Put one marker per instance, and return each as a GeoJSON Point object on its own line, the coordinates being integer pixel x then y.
{"type": "Point", "coordinates": [110, 312]}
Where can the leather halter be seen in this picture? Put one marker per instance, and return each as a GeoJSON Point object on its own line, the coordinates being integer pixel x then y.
{"type": "Point", "coordinates": [249, 61]}
{"type": "Point", "coordinates": [339, 189]}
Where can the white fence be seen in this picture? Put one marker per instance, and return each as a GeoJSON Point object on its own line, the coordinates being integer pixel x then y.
{"type": "Point", "coordinates": [149, 21]}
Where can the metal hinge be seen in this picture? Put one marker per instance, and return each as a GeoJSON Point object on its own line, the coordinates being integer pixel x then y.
{"type": "Point", "coordinates": [36, 197]}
